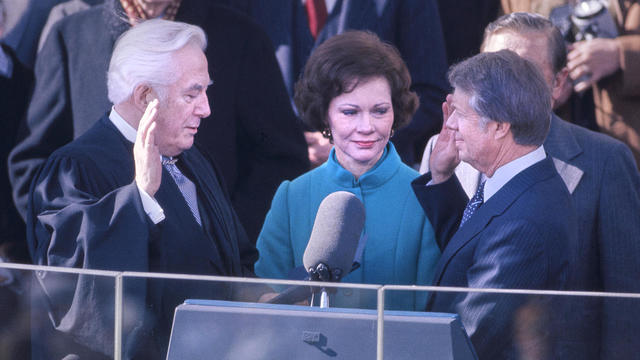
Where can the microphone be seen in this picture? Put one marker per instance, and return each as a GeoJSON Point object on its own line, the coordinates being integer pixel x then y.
{"type": "Point", "coordinates": [334, 237]}
{"type": "Point", "coordinates": [332, 244]}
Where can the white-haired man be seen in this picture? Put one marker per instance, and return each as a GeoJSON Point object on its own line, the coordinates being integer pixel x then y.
{"type": "Point", "coordinates": [253, 134]}
{"type": "Point", "coordinates": [133, 194]}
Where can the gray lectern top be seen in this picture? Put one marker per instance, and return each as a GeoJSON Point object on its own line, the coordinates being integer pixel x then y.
{"type": "Point", "coordinates": [211, 329]}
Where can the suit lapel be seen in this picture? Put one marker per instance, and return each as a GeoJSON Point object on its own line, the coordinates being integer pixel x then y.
{"type": "Point", "coordinates": [219, 222]}
{"type": "Point", "coordinates": [174, 205]}
{"type": "Point", "coordinates": [362, 14]}
{"type": "Point", "coordinates": [466, 233]}
{"type": "Point", "coordinates": [563, 147]}
{"type": "Point", "coordinates": [336, 22]}
{"type": "Point", "coordinates": [352, 14]}
{"type": "Point", "coordinates": [495, 206]}
{"type": "Point", "coordinates": [570, 174]}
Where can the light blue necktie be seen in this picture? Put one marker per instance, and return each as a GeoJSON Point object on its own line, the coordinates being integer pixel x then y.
{"type": "Point", "coordinates": [186, 186]}
{"type": "Point", "coordinates": [473, 204]}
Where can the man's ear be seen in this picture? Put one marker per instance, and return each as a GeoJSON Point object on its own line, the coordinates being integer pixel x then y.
{"type": "Point", "coordinates": [562, 88]}
{"type": "Point", "coordinates": [142, 95]}
{"type": "Point", "coordinates": [502, 129]}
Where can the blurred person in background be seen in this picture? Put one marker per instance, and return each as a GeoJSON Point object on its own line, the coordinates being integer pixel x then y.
{"type": "Point", "coordinates": [28, 18]}
{"type": "Point", "coordinates": [16, 82]}
{"type": "Point", "coordinates": [608, 66]}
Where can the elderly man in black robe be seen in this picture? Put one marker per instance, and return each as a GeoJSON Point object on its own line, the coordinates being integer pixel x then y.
{"type": "Point", "coordinates": [133, 194]}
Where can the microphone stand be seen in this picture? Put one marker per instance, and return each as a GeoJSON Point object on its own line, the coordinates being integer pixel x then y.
{"type": "Point", "coordinates": [323, 273]}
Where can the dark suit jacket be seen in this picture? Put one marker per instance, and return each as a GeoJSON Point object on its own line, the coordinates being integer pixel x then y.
{"type": "Point", "coordinates": [602, 177]}
{"type": "Point", "coordinates": [252, 134]}
{"type": "Point", "coordinates": [14, 305]}
{"type": "Point", "coordinates": [463, 24]}
{"type": "Point", "coordinates": [23, 36]}
{"type": "Point", "coordinates": [413, 26]}
{"type": "Point", "coordinates": [606, 255]}
{"type": "Point", "coordinates": [14, 97]}
{"type": "Point", "coordinates": [518, 239]}
{"type": "Point", "coordinates": [86, 212]}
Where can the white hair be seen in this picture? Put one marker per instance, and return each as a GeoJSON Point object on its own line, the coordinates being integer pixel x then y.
{"type": "Point", "coordinates": [144, 55]}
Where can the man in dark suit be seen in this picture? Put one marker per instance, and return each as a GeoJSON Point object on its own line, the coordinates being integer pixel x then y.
{"type": "Point", "coordinates": [253, 134]}
{"type": "Point", "coordinates": [462, 25]}
{"type": "Point", "coordinates": [107, 201]}
{"type": "Point", "coordinates": [515, 230]}
{"type": "Point", "coordinates": [297, 27]}
{"type": "Point", "coordinates": [600, 173]}
{"type": "Point", "coordinates": [16, 81]}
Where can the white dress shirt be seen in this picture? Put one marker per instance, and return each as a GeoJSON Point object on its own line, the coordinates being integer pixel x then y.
{"type": "Point", "coordinates": [507, 171]}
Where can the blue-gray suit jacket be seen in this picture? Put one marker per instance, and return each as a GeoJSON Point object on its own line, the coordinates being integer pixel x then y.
{"type": "Point", "coordinates": [516, 240]}
{"type": "Point", "coordinates": [603, 180]}
{"type": "Point", "coordinates": [413, 26]}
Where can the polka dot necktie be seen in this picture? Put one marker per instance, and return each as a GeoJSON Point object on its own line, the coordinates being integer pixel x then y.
{"type": "Point", "coordinates": [473, 204]}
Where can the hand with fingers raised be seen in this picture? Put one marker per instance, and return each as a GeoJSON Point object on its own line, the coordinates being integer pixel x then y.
{"type": "Point", "coordinates": [444, 158]}
{"type": "Point", "coordinates": [146, 153]}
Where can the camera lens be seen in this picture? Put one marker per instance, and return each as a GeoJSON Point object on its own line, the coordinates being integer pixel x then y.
{"type": "Point", "coordinates": [587, 9]}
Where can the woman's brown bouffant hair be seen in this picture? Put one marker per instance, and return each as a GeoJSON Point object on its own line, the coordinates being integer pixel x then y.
{"type": "Point", "coordinates": [339, 64]}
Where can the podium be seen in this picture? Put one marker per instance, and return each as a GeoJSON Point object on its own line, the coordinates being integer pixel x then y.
{"type": "Point", "coordinates": [211, 329]}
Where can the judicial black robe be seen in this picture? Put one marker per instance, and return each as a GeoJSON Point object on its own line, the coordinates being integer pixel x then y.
{"type": "Point", "coordinates": [252, 133]}
{"type": "Point", "coordinates": [86, 212]}
{"type": "Point", "coordinates": [14, 98]}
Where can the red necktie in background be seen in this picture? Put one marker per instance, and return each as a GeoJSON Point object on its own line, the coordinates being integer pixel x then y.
{"type": "Point", "coordinates": [317, 16]}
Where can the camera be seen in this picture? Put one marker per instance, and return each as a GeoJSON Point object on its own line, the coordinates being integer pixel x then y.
{"type": "Point", "coordinates": [586, 20]}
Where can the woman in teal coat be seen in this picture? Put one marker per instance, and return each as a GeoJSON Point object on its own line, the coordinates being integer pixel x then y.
{"type": "Point", "coordinates": [356, 90]}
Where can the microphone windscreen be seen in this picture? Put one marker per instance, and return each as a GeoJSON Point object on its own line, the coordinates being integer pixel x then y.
{"type": "Point", "coordinates": [336, 232]}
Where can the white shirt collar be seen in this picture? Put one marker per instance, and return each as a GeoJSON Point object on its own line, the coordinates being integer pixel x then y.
{"type": "Point", "coordinates": [123, 126]}
{"type": "Point", "coordinates": [507, 171]}
{"type": "Point", "coordinates": [329, 4]}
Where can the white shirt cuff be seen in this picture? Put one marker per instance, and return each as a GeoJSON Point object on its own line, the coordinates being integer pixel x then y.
{"type": "Point", "coordinates": [151, 207]}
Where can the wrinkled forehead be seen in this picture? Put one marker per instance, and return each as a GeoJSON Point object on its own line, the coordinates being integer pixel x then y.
{"type": "Point", "coordinates": [461, 98]}
{"type": "Point", "coordinates": [531, 45]}
{"type": "Point", "coordinates": [190, 63]}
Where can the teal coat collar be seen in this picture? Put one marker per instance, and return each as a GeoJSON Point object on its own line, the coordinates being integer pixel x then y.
{"type": "Point", "coordinates": [378, 175]}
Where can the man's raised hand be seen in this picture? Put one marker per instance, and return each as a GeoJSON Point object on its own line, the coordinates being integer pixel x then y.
{"type": "Point", "coordinates": [444, 157]}
{"type": "Point", "coordinates": [146, 153]}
